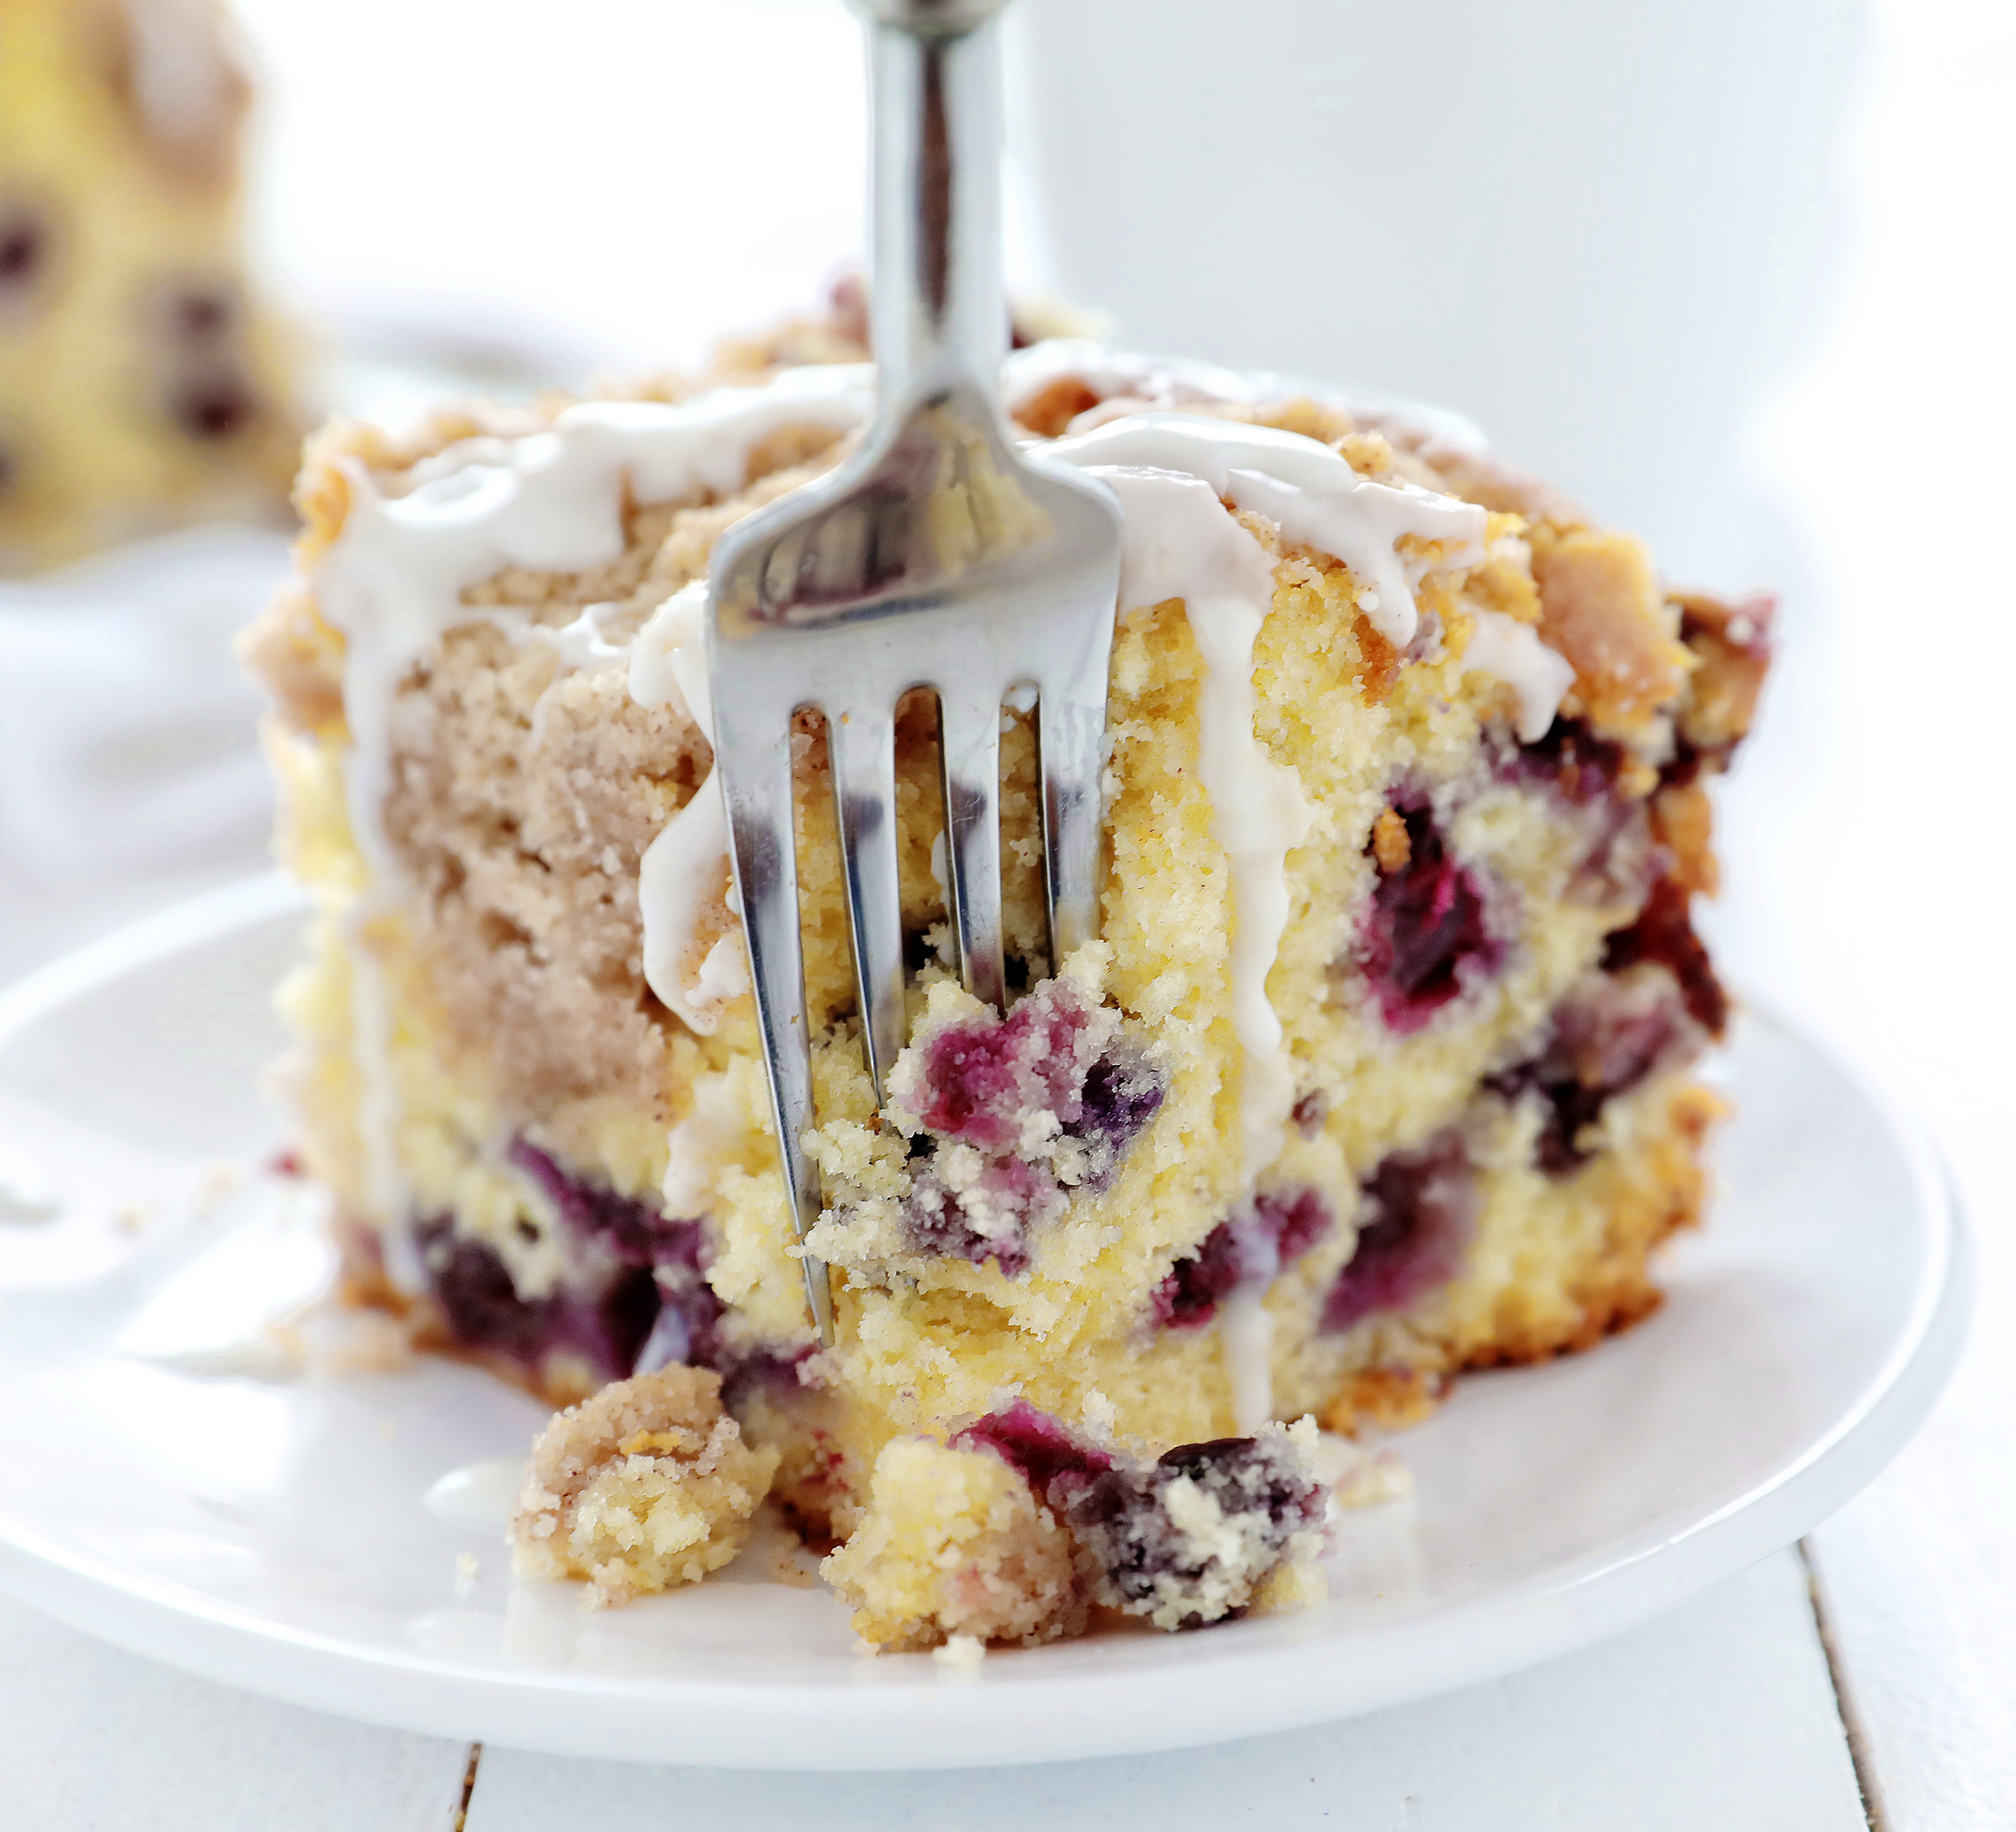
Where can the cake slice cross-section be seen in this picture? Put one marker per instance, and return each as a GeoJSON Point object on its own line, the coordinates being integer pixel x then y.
{"type": "Point", "coordinates": [1380, 1068]}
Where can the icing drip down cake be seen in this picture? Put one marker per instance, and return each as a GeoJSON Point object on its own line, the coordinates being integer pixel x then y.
{"type": "Point", "coordinates": [140, 386]}
{"type": "Point", "coordinates": [1379, 1071]}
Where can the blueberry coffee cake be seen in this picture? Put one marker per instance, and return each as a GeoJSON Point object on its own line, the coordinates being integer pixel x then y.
{"type": "Point", "coordinates": [1379, 1069]}
{"type": "Point", "coordinates": [139, 385]}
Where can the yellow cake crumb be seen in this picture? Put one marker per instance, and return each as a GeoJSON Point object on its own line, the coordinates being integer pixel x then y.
{"type": "Point", "coordinates": [646, 1486]}
{"type": "Point", "coordinates": [955, 1543]}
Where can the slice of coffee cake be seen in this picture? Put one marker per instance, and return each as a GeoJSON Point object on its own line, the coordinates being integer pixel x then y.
{"type": "Point", "coordinates": [1379, 1069]}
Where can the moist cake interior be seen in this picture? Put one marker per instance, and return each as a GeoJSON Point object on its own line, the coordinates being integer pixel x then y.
{"type": "Point", "coordinates": [1380, 1070]}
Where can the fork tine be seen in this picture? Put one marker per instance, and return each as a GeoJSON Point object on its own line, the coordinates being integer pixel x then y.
{"type": "Point", "coordinates": [863, 748]}
{"type": "Point", "coordinates": [969, 742]}
{"type": "Point", "coordinates": [1071, 745]}
{"type": "Point", "coordinates": [766, 875]}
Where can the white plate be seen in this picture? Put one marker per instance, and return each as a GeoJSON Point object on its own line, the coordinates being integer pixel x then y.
{"type": "Point", "coordinates": [161, 1487]}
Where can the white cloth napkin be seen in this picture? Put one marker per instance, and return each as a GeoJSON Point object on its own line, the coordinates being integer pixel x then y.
{"type": "Point", "coordinates": [128, 735]}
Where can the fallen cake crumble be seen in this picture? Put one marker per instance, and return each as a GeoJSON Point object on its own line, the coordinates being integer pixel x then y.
{"type": "Point", "coordinates": [646, 1486]}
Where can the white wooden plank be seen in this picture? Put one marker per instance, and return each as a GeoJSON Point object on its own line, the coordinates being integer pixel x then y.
{"type": "Point", "coordinates": [1892, 945]}
{"type": "Point", "coordinates": [1720, 1715]}
{"type": "Point", "coordinates": [93, 1740]}
{"type": "Point", "coordinates": [1918, 1574]}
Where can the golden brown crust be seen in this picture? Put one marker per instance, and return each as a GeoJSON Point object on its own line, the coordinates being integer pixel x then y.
{"type": "Point", "coordinates": [1663, 1189]}
{"type": "Point", "coordinates": [1730, 638]}
{"type": "Point", "coordinates": [1379, 667]}
{"type": "Point", "coordinates": [1479, 477]}
{"type": "Point", "coordinates": [1683, 822]}
{"type": "Point", "coordinates": [1601, 607]}
{"type": "Point", "coordinates": [298, 659]}
{"type": "Point", "coordinates": [1048, 412]}
{"type": "Point", "coordinates": [1390, 845]}
{"type": "Point", "coordinates": [1389, 1398]}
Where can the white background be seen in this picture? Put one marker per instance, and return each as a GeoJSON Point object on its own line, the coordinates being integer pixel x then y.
{"type": "Point", "coordinates": [1739, 274]}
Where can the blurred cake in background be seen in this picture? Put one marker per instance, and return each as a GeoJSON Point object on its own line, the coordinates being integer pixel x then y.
{"type": "Point", "coordinates": [141, 386]}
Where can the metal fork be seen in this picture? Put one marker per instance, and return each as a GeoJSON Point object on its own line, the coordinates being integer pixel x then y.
{"type": "Point", "coordinates": [938, 557]}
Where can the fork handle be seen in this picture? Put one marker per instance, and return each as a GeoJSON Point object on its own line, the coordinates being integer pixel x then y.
{"type": "Point", "coordinates": [938, 311]}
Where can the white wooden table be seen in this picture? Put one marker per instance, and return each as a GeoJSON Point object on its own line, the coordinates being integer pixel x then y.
{"type": "Point", "coordinates": [1867, 1677]}
{"type": "Point", "coordinates": [1721, 1714]}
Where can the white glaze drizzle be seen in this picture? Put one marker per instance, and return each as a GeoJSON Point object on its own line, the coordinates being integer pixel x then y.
{"type": "Point", "coordinates": [1181, 541]}
{"type": "Point", "coordinates": [552, 501]}
{"type": "Point", "coordinates": [580, 646]}
{"type": "Point", "coordinates": [1159, 381]}
{"type": "Point", "coordinates": [480, 1492]}
{"type": "Point", "coordinates": [378, 1113]}
{"type": "Point", "coordinates": [1126, 383]}
{"type": "Point", "coordinates": [585, 643]}
{"type": "Point", "coordinates": [1538, 676]}
{"type": "Point", "coordinates": [1171, 471]}
{"type": "Point", "coordinates": [685, 868]}
{"type": "Point", "coordinates": [1314, 496]}
{"type": "Point", "coordinates": [392, 583]}
{"type": "Point", "coordinates": [1246, 1340]}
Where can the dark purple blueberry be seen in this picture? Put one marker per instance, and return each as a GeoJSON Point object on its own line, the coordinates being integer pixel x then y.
{"type": "Point", "coordinates": [1282, 1225]}
{"type": "Point", "coordinates": [687, 1328]}
{"type": "Point", "coordinates": [1606, 1037]}
{"type": "Point", "coordinates": [1039, 1446]}
{"type": "Point", "coordinates": [203, 315]}
{"type": "Point", "coordinates": [1122, 1092]}
{"type": "Point", "coordinates": [764, 1371]}
{"type": "Point", "coordinates": [217, 408]}
{"type": "Point", "coordinates": [1188, 1297]}
{"type": "Point", "coordinates": [982, 1080]}
{"type": "Point", "coordinates": [635, 1298]}
{"type": "Point", "coordinates": [1688, 759]}
{"type": "Point", "coordinates": [981, 1077]}
{"type": "Point", "coordinates": [1618, 860]}
{"type": "Point", "coordinates": [941, 1223]}
{"type": "Point", "coordinates": [25, 246]}
{"type": "Point", "coordinates": [1415, 1216]}
{"type": "Point", "coordinates": [632, 1230]}
{"type": "Point", "coordinates": [1571, 759]}
{"type": "Point", "coordinates": [1424, 935]}
{"type": "Point", "coordinates": [606, 1323]}
{"type": "Point", "coordinates": [1147, 1565]}
{"type": "Point", "coordinates": [633, 1233]}
{"type": "Point", "coordinates": [1664, 933]}
{"type": "Point", "coordinates": [1296, 1218]}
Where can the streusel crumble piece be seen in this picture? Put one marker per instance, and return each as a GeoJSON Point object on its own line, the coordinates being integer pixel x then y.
{"type": "Point", "coordinates": [646, 1486]}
